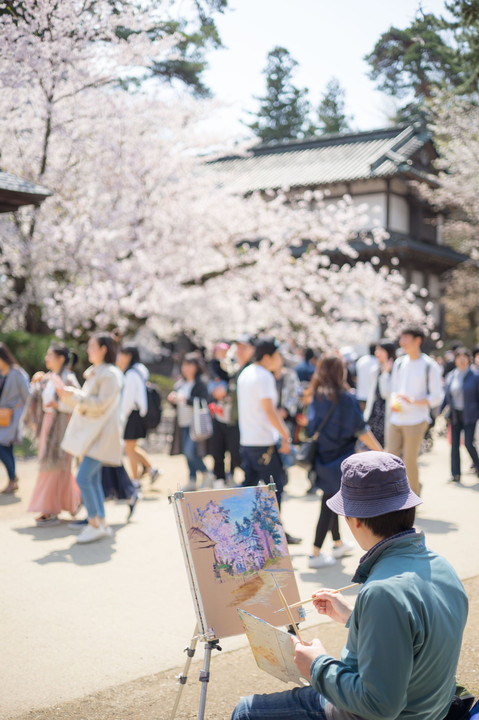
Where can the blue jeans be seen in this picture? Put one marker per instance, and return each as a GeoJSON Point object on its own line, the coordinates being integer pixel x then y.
{"type": "Point", "coordinates": [89, 482]}
{"type": "Point", "coordinates": [8, 459]}
{"type": "Point", "coordinates": [297, 704]}
{"type": "Point", "coordinates": [190, 451]}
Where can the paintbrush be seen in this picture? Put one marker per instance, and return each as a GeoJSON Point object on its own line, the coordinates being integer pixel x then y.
{"type": "Point", "coordinates": [303, 602]}
{"type": "Point", "coordinates": [286, 607]}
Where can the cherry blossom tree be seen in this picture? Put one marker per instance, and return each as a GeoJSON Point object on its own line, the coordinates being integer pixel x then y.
{"type": "Point", "coordinates": [140, 229]}
{"type": "Point", "coordinates": [456, 131]}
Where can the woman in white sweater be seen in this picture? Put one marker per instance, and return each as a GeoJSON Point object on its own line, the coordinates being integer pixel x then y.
{"type": "Point", "coordinates": [93, 433]}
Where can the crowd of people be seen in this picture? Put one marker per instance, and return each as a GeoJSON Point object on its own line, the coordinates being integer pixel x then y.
{"type": "Point", "coordinates": [263, 399]}
{"type": "Point", "coordinates": [259, 400]}
{"type": "Point", "coordinates": [92, 424]}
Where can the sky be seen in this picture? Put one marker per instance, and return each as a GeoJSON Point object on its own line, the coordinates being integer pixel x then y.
{"type": "Point", "coordinates": [326, 37]}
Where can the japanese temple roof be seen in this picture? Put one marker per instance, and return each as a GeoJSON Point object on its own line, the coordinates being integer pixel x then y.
{"type": "Point", "coordinates": [16, 192]}
{"type": "Point", "coordinates": [328, 159]}
{"type": "Point", "coordinates": [402, 245]}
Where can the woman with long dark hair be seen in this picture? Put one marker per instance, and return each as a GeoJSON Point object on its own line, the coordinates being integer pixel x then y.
{"type": "Point", "coordinates": [335, 416]}
{"type": "Point", "coordinates": [93, 433]}
{"type": "Point", "coordinates": [189, 387]}
{"type": "Point", "coordinates": [134, 406]}
{"type": "Point", "coordinates": [14, 391]}
{"type": "Point", "coordinates": [47, 418]}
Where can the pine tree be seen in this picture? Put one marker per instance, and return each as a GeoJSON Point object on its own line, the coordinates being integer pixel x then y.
{"type": "Point", "coordinates": [331, 111]}
{"type": "Point", "coordinates": [411, 64]}
{"type": "Point", "coordinates": [284, 109]}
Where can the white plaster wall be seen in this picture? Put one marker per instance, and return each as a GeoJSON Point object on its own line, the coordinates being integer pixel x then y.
{"type": "Point", "coordinates": [398, 214]}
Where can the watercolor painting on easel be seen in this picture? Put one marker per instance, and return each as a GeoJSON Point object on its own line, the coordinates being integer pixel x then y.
{"type": "Point", "coordinates": [233, 542]}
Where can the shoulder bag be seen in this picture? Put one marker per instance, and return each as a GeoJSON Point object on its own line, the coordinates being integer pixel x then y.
{"type": "Point", "coordinates": [201, 427]}
{"type": "Point", "coordinates": [306, 453]}
{"type": "Point", "coordinates": [5, 412]}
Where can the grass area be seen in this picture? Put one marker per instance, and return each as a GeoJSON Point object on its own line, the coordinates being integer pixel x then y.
{"type": "Point", "coordinates": [26, 449]}
{"type": "Point", "coordinates": [165, 384]}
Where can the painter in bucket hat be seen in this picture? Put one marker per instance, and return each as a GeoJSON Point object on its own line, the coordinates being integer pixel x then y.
{"type": "Point", "coordinates": [372, 483]}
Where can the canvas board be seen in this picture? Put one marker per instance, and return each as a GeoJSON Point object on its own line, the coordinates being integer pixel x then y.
{"type": "Point", "coordinates": [272, 648]}
{"type": "Point", "coordinates": [233, 542]}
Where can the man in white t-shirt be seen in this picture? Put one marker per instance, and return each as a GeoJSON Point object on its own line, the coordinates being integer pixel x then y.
{"type": "Point", "coordinates": [260, 424]}
{"type": "Point", "coordinates": [363, 375]}
{"type": "Point", "coordinates": [416, 386]}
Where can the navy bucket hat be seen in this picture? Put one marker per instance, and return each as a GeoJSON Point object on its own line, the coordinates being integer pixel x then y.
{"type": "Point", "coordinates": [372, 483]}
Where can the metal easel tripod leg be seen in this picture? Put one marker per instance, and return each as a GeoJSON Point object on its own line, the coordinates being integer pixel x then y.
{"type": "Point", "coordinates": [183, 677]}
{"type": "Point", "coordinates": [205, 675]}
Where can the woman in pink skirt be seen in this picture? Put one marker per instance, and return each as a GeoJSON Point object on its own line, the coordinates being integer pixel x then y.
{"type": "Point", "coordinates": [47, 418]}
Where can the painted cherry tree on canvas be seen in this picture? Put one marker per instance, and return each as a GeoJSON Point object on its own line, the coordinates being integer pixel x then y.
{"type": "Point", "coordinates": [246, 544]}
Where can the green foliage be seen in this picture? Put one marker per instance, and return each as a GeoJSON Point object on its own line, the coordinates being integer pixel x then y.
{"type": "Point", "coordinates": [416, 59]}
{"type": "Point", "coordinates": [433, 53]}
{"type": "Point", "coordinates": [331, 111]}
{"type": "Point", "coordinates": [284, 109]}
{"type": "Point", "coordinates": [26, 449]}
{"type": "Point", "coordinates": [30, 349]}
{"type": "Point", "coordinates": [465, 26]}
{"type": "Point", "coordinates": [165, 383]}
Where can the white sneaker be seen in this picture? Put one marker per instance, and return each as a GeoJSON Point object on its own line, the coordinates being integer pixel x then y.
{"type": "Point", "coordinates": [91, 534]}
{"type": "Point", "coordinates": [219, 484]}
{"type": "Point", "coordinates": [154, 474]}
{"type": "Point", "coordinates": [340, 551]}
{"type": "Point", "coordinates": [190, 486]}
{"type": "Point", "coordinates": [319, 561]}
{"type": "Point", "coordinates": [106, 530]}
{"type": "Point", "coordinates": [207, 480]}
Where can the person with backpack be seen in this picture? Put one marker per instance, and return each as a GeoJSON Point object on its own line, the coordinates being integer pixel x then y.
{"type": "Point", "coordinates": [416, 388]}
{"type": "Point", "coordinates": [134, 411]}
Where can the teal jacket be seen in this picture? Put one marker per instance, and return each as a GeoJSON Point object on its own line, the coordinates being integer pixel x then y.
{"type": "Point", "coordinates": [404, 639]}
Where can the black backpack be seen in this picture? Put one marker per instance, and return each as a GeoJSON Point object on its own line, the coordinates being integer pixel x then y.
{"type": "Point", "coordinates": [153, 404]}
{"type": "Point", "coordinates": [153, 414]}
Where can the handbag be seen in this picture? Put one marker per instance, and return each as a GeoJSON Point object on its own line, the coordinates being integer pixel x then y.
{"type": "Point", "coordinates": [5, 416]}
{"type": "Point", "coordinates": [83, 430]}
{"type": "Point", "coordinates": [5, 412]}
{"type": "Point", "coordinates": [306, 453]}
{"type": "Point", "coordinates": [201, 426]}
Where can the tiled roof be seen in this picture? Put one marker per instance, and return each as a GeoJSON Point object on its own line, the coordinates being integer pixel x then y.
{"type": "Point", "coordinates": [325, 160]}
{"type": "Point", "coordinates": [15, 184]}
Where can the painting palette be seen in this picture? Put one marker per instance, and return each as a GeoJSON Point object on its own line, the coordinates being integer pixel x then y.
{"type": "Point", "coordinates": [272, 649]}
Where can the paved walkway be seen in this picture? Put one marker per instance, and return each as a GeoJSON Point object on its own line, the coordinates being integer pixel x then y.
{"type": "Point", "coordinates": [75, 619]}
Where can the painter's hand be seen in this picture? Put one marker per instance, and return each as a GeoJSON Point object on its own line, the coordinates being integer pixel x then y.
{"type": "Point", "coordinates": [332, 604]}
{"type": "Point", "coordinates": [305, 654]}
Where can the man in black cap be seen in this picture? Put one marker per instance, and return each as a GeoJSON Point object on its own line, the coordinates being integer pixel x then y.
{"type": "Point", "coordinates": [405, 630]}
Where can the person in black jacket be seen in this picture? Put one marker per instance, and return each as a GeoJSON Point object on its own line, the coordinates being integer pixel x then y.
{"type": "Point", "coordinates": [189, 387]}
{"type": "Point", "coordinates": [462, 398]}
